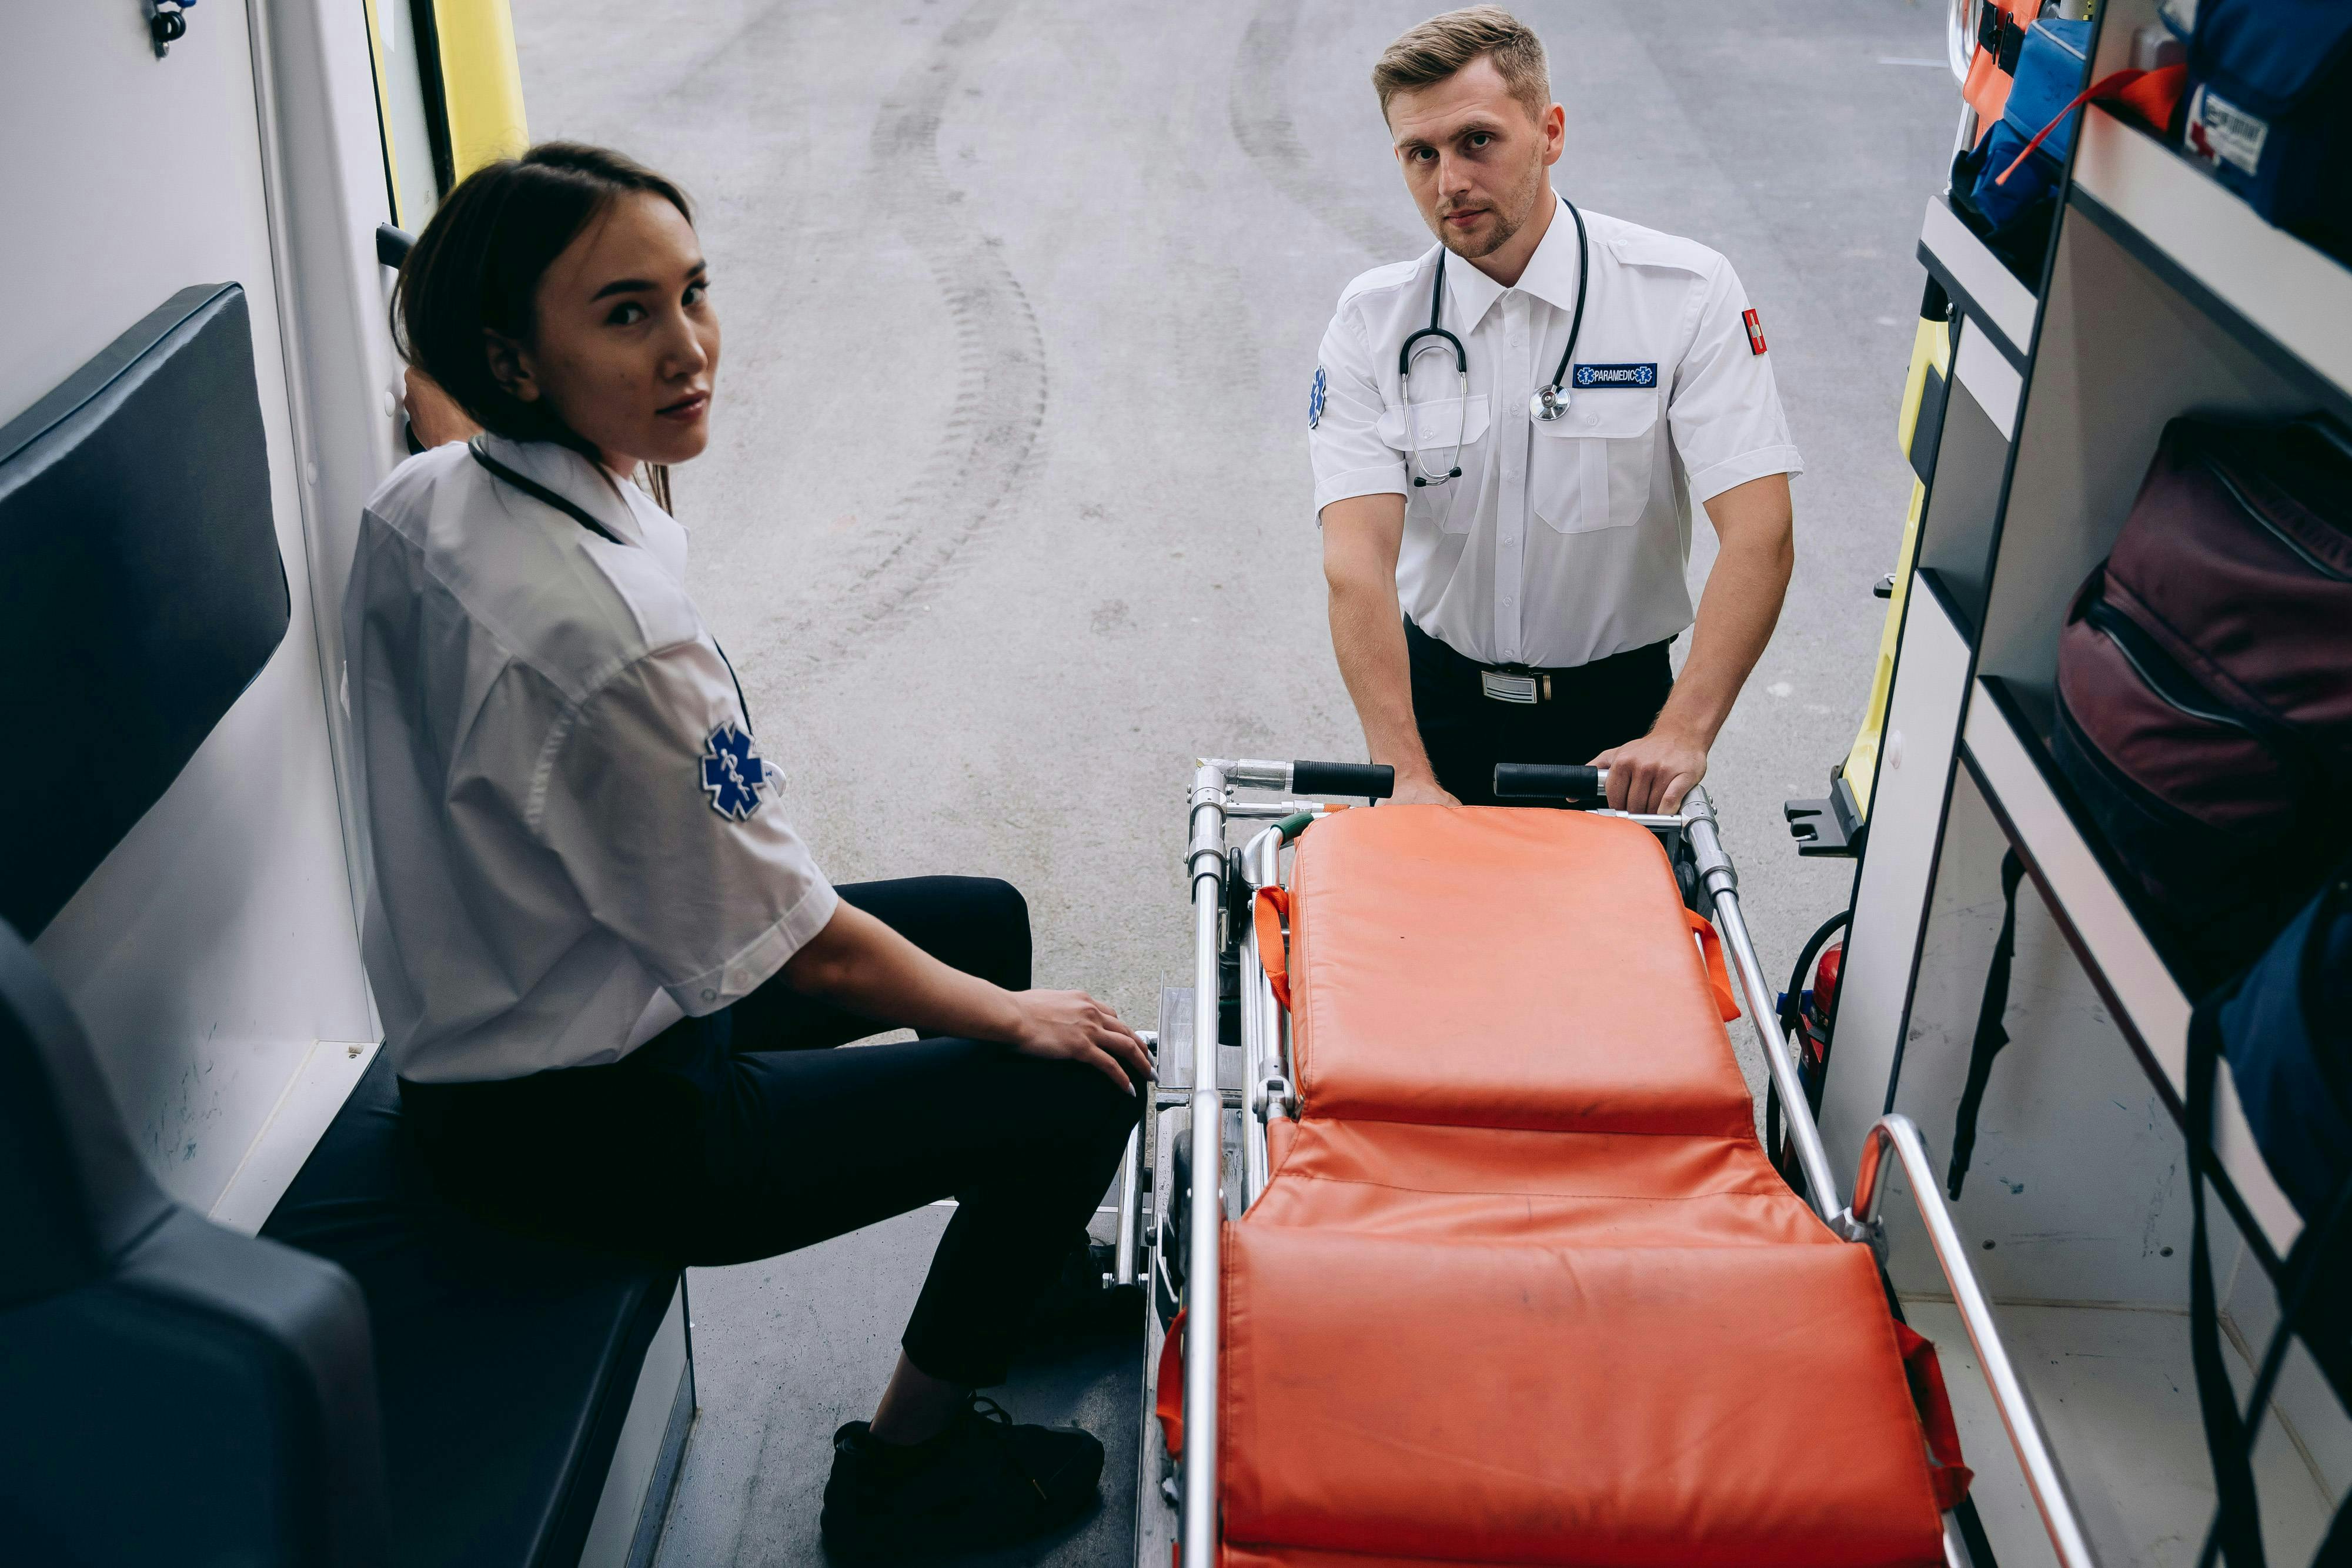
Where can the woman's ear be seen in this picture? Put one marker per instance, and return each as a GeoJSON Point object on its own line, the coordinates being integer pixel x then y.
{"type": "Point", "coordinates": [511, 366]}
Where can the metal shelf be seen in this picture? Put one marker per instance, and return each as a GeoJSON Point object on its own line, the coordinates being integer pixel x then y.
{"type": "Point", "coordinates": [1986, 291]}
{"type": "Point", "coordinates": [2289, 302]}
{"type": "Point", "coordinates": [2006, 756]}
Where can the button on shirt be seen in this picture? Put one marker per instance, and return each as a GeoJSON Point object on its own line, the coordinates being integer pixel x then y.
{"type": "Point", "coordinates": [1565, 541]}
{"type": "Point", "coordinates": [574, 841]}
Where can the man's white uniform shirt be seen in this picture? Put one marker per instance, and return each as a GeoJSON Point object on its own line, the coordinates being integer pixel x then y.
{"type": "Point", "coordinates": [1565, 541]}
{"type": "Point", "coordinates": [574, 842]}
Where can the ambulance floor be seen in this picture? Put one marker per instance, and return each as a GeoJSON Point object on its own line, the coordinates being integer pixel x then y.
{"type": "Point", "coordinates": [787, 1350]}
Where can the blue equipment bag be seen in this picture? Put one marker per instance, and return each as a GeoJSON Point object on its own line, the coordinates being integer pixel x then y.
{"type": "Point", "coordinates": [2284, 1026]}
{"type": "Point", "coordinates": [2270, 109]}
{"type": "Point", "coordinates": [2050, 69]}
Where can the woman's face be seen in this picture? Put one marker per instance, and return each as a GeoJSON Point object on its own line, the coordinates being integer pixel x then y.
{"type": "Point", "coordinates": [627, 346]}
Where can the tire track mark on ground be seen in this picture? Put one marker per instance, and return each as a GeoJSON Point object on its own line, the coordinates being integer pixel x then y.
{"type": "Point", "coordinates": [987, 439]}
{"type": "Point", "coordinates": [1259, 114]}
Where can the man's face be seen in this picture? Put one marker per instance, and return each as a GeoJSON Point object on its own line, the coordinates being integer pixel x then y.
{"type": "Point", "coordinates": [1473, 156]}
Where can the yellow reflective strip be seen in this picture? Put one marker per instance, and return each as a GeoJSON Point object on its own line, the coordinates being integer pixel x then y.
{"type": "Point", "coordinates": [481, 82]}
{"type": "Point", "coordinates": [1930, 345]}
{"type": "Point", "coordinates": [1861, 761]}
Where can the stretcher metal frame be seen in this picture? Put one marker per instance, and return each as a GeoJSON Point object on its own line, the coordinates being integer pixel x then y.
{"type": "Point", "coordinates": [1269, 1091]}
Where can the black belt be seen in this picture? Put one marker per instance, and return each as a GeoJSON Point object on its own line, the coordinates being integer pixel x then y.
{"type": "Point", "coordinates": [1519, 685]}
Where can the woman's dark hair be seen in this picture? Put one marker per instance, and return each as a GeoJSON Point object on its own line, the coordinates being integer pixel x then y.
{"type": "Point", "coordinates": [477, 266]}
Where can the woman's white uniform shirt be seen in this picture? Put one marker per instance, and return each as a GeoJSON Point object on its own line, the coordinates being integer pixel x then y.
{"type": "Point", "coordinates": [574, 841]}
{"type": "Point", "coordinates": [1562, 542]}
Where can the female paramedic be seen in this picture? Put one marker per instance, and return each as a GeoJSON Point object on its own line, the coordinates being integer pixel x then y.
{"type": "Point", "coordinates": [609, 971]}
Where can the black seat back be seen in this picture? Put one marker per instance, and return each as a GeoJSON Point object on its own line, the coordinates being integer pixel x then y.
{"type": "Point", "coordinates": [170, 1390]}
{"type": "Point", "coordinates": [141, 585]}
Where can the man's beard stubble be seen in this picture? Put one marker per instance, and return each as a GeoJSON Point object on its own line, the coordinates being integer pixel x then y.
{"type": "Point", "coordinates": [1506, 224]}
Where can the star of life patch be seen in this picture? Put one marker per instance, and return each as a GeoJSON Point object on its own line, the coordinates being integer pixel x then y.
{"type": "Point", "coordinates": [1315, 395]}
{"type": "Point", "coordinates": [733, 773]}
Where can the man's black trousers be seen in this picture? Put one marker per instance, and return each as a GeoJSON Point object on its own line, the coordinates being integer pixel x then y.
{"type": "Point", "coordinates": [744, 1135]}
{"type": "Point", "coordinates": [1591, 708]}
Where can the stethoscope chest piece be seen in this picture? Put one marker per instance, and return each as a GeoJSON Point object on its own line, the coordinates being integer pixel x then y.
{"type": "Point", "coordinates": [1548, 405]}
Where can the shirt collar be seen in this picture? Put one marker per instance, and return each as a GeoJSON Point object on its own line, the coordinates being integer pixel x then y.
{"type": "Point", "coordinates": [570, 476]}
{"type": "Point", "coordinates": [1550, 275]}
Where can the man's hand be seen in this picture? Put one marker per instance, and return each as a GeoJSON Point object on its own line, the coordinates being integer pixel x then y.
{"type": "Point", "coordinates": [434, 414]}
{"type": "Point", "coordinates": [1653, 774]}
{"type": "Point", "coordinates": [1072, 1026]}
{"type": "Point", "coordinates": [1736, 615]}
{"type": "Point", "coordinates": [1421, 790]}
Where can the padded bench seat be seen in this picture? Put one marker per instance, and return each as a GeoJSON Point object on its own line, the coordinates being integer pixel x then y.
{"type": "Point", "coordinates": [506, 1368]}
{"type": "Point", "coordinates": [1410, 1402]}
{"type": "Point", "coordinates": [1482, 966]}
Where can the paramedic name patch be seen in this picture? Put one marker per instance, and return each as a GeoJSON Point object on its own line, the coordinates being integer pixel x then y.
{"type": "Point", "coordinates": [1315, 398]}
{"type": "Point", "coordinates": [733, 773]}
{"type": "Point", "coordinates": [1755, 326]}
{"type": "Point", "coordinates": [1591, 377]}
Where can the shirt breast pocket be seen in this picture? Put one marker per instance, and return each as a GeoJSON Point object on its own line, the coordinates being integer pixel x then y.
{"type": "Point", "coordinates": [1429, 434]}
{"type": "Point", "coordinates": [1591, 469]}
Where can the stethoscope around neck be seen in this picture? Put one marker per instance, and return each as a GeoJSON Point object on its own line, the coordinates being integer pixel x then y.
{"type": "Point", "coordinates": [586, 520]}
{"type": "Point", "coordinates": [1547, 404]}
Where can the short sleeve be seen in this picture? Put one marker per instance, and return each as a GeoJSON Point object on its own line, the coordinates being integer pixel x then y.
{"type": "Point", "coordinates": [663, 812]}
{"type": "Point", "coordinates": [1724, 411]}
{"type": "Point", "coordinates": [1343, 412]}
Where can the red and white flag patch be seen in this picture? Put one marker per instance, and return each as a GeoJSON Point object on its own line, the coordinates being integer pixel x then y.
{"type": "Point", "coordinates": [1755, 332]}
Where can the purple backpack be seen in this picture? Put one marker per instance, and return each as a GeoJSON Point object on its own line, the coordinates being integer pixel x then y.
{"type": "Point", "coordinates": [2205, 685]}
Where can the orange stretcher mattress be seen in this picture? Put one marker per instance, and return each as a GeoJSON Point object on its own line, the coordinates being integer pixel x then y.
{"type": "Point", "coordinates": [1491, 968]}
{"type": "Point", "coordinates": [1598, 1189]}
{"type": "Point", "coordinates": [1523, 1287]}
{"type": "Point", "coordinates": [1587, 1407]}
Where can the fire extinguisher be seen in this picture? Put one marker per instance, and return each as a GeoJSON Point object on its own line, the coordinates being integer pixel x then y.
{"type": "Point", "coordinates": [1805, 1013]}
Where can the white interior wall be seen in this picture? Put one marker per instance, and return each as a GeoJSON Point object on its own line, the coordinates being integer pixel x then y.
{"type": "Point", "coordinates": [216, 946]}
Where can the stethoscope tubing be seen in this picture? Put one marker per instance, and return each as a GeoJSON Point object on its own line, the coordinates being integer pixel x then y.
{"type": "Point", "coordinates": [581, 515]}
{"type": "Point", "coordinates": [1547, 404]}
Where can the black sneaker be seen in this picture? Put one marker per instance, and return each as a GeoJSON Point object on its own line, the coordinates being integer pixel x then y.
{"type": "Point", "coordinates": [982, 1484]}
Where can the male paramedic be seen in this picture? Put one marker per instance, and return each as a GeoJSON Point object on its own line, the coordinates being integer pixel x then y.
{"type": "Point", "coordinates": [1508, 433]}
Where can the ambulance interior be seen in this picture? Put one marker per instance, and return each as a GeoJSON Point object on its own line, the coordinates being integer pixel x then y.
{"type": "Point", "coordinates": [1502, 1198]}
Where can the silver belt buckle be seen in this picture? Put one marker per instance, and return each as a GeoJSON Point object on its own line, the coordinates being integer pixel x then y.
{"type": "Point", "coordinates": [1506, 688]}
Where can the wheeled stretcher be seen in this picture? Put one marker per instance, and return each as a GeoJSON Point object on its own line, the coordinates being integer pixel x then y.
{"type": "Point", "coordinates": [1479, 1257]}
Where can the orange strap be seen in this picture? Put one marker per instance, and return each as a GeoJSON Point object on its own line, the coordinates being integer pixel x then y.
{"type": "Point", "coordinates": [1272, 905]}
{"type": "Point", "coordinates": [1167, 1402]}
{"type": "Point", "coordinates": [1946, 1474]}
{"type": "Point", "coordinates": [1986, 87]}
{"type": "Point", "coordinates": [2149, 94]}
{"type": "Point", "coordinates": [1718, 978]}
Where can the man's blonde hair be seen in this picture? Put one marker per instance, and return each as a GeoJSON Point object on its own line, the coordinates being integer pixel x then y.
{"type": "Point", "coordinates": [1428, 54]}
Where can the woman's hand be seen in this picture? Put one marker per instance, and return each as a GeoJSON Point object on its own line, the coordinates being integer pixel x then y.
{"type": "Point", "coordinates": [434, 414]}
{"type": "Point", "coordinates": [1072, 1026]}
{"type": "Point", "coordinates": [859, 963]}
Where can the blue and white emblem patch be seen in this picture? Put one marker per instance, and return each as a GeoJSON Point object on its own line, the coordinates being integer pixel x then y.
{"type": "Point", "coordinates": [733, 773]}
{"type": "Point", "coordinates": [1315, 398]}
{"type": "Point", "coordinates": [1592, 377]}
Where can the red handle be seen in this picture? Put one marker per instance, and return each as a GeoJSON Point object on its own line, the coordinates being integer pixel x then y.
{"type": "Point", "coordinates": [1718, 978]}
{"type": "Point", "coordinates": [1272, 905]}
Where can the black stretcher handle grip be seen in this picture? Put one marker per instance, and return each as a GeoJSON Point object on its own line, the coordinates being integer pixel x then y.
{"type": "Point", "coordinates": [1372, 780]}
{"type": "Point", "coordinates": [1546, 781]}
